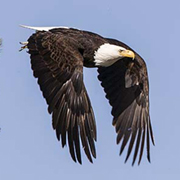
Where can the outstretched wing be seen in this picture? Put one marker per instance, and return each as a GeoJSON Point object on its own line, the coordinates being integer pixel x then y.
{"type": "Point", "coordinates": [59, 68]}
{"type": "Point", "coordinates": [126, 87]}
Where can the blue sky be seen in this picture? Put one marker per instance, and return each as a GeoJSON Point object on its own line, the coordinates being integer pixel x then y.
{"type": "Point", "coordinates": [28, 146]}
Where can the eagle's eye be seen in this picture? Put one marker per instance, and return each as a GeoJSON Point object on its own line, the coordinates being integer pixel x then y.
{"type": "Point", "coordinates": [121, 50]}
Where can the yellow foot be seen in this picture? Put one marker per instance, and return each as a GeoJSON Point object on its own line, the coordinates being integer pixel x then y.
{"type": "Point", "coordinates": [24, 45]}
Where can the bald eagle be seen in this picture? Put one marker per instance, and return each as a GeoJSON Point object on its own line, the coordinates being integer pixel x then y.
{"type": "Point", "coordinates": [58, 55]}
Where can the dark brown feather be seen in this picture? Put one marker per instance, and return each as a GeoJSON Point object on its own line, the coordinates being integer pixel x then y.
{"type": "Point", "coordinates": [58, 65]}
{"type": "Point", "coordinates": [126, 86]}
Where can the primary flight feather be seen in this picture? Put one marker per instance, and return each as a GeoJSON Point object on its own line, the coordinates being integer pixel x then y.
{"type": "Point", "coordinates": [58, 55]}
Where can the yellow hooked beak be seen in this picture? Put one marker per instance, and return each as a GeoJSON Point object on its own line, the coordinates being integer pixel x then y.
{"type": "Point", "coordinates": [127, 53]}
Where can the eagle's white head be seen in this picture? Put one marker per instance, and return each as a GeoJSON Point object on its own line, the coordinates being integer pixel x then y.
{"type": "Point", "coordinates": [107, 54]}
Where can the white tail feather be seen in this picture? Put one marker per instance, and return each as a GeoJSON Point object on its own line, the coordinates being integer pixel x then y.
{"type": "Point", "coordinates": [42, 28]}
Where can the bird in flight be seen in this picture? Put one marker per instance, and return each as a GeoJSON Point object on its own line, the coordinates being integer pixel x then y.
{"type": "Point", "coordinates": [58, 55]}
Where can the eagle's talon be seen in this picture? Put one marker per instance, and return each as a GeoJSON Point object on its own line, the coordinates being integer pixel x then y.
{"type": "Point", "coordinates": [24, 45]}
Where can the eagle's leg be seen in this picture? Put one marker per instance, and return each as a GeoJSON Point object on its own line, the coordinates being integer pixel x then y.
{"type": "Point", "coordinates": [24, 45]}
